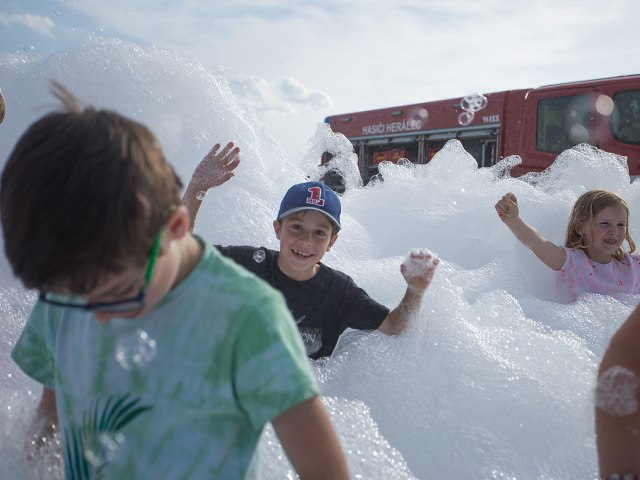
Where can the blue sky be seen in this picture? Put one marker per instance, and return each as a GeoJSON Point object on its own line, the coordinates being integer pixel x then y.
{"type": "Point", "coordinates": [295, 62]}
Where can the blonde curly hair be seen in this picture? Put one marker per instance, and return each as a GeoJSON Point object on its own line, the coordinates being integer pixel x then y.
{"type": "Point", "coordinates": [588, 205]}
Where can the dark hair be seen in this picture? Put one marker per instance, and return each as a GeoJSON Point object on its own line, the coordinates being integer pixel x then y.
{"type": "Point", "coordinates": [588, 205]}
{"type": "Point", "coordinates": [82, 196]}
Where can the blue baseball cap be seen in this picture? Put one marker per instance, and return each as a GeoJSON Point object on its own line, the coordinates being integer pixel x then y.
{"type": "Point", "coordinates": [311, 196]}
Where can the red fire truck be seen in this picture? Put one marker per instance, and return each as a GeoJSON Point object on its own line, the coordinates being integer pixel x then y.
{"type": "Point", "coordinates": [536, 124]}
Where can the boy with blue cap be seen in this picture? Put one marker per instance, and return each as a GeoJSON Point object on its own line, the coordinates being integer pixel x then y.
{"type": "Point", "coordinates": [324, 302]}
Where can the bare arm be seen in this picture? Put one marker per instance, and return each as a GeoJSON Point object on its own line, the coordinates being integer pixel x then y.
{"type": "Point", "coordinates": [551, 254]}
{"type": "Point", "coordinates": [418, 273]}
{"type": "Point", "coordinates": [617, 396]}
{"type": "Point", "coordinates": [213, 170]}
{"type": "Point", "coordinates": [310, 442]}
{"type": "Point", "coordinates": [47, 406]}
{"type": "Point", "coordinates": [44, 424]}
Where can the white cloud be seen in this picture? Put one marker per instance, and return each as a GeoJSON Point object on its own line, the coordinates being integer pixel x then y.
{"type": "Point", "coordinates": [37, 23]}
{"type": "Point", "coordinates": [276, 99]}
{"type": "Point", "coordinates": [365, 48]}
{"type": "Point", "coordinates": [294, 91]}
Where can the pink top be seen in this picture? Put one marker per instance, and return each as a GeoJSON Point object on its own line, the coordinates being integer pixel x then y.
{"type": "Point", "coordinates": [579, 275]}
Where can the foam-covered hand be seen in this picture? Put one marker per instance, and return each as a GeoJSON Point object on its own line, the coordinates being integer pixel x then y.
{"type": "Point", "coordinates": [418, 268]}
{"type": "Point", "coordinates": [216, 167]}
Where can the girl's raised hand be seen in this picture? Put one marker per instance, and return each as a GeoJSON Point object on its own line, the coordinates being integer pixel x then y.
{"type": "Point", "coordinates": [507, 207]}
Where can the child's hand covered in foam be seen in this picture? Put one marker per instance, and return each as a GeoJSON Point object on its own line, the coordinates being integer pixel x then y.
{"type": "Point", "coordinates": [418, 268]}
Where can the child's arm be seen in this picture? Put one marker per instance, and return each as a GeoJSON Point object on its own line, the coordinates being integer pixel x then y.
{"type": "Point", "coordinates": [47, 406]}
{"type": "Point", "coordinates": [310, 442]}
{"type": "Point", "coordinates": [617, 396]}
{"type": "Point", "coordinates": [551, 254]}
{"type": "Point", "coordinates": [45, 423]}
{"type": "Point", "coordinates": [418, 273]}
{"type": "Point", "coordinates": [213, 170]}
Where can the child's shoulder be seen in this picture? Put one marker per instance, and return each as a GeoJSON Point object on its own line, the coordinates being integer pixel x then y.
{"type": "Point", "coordinates": [628, 262]}
{"type": "Point", "coordinates": [624, 342]}
{"type": "Point", "coordinates": [222, 274]}
{"type": "Point", "coordinates": [331, 278]}
{"type": "Point", "coordinates": [575, 257]}
{"type": "Point", "coordinates": [633, 257]}
{"type": "Point", "coordinates": [328, 272]}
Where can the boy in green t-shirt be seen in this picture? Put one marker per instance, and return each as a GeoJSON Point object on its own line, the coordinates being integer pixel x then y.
{"type": "Point", "coordinates": [189, 357]}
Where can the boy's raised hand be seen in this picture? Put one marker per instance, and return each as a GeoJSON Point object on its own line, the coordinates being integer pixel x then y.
{"type": "Point", "coordinates": [215, 168]}
{"type": "Point", "coordinates": [418, 269]}
{"type": "Point", "coordinates": [507, 207]}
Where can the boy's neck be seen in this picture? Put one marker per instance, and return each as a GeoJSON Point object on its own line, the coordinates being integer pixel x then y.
{"type": "Point", "coordinates": [190, 253]}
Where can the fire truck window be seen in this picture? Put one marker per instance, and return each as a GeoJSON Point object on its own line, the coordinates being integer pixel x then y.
{"type": "Point", "coordinates": [392, 150]}
{"type": "Point", "coordinates": [562, 123]}
{"type": "Point", "coordinates": [391, 153]}
{"type": "Point", "coordinates": [474, 147]}
{"type": "Point", "coordinates": [625, 119]}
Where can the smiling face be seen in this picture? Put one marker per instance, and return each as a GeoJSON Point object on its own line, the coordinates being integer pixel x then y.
{"type": "Point", "coordinates": [605, 233]}
{"type": "Point", "coordinates": [304, 239]}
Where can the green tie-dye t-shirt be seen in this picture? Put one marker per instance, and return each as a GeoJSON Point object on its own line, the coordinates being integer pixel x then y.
{"type": "Point", "coordinates": [181, 392]}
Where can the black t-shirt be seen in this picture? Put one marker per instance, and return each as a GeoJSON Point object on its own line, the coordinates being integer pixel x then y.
{"type": "Point", "coordinates": [323, 306]}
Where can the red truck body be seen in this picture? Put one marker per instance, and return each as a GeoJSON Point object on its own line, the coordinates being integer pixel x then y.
{"type": "Point", "coordinates": [536, 124]}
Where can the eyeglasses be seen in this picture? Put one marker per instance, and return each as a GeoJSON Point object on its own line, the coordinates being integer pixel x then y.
{"type": "Point", "coordinates": [119, 306]}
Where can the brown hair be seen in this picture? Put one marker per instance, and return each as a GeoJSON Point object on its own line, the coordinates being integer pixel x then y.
{"type": "Point", "coordinates": [588, 205]}
{"type": "Point", "coordinates": [82, 196]}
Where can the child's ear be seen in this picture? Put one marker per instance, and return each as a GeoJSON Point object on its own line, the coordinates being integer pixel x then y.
{"type": "Point", "coordinates": [178, 223]}
{"type": "Point", "coordinates": [277, 227]}
{"type": "Point", "coordinates": [332, 241]}
{"type": "Point", "coordinates": [580, 229]}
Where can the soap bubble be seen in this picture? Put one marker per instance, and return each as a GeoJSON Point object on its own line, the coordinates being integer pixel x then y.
{"type": "Point", "coordinates": [135, 350]}
{"type": "Point", "coordinates": [259, 256]}
{"type": "Point", "coordinates": [604, 105]}
{"type": "Point", "coordinates": [578, 133]}
{"type": "Point", "coordinates": [473, 102]}
{"type": "Point", "coordinates": [465, 118]}
{"type": "Point", "coordinates": [104, 448]}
